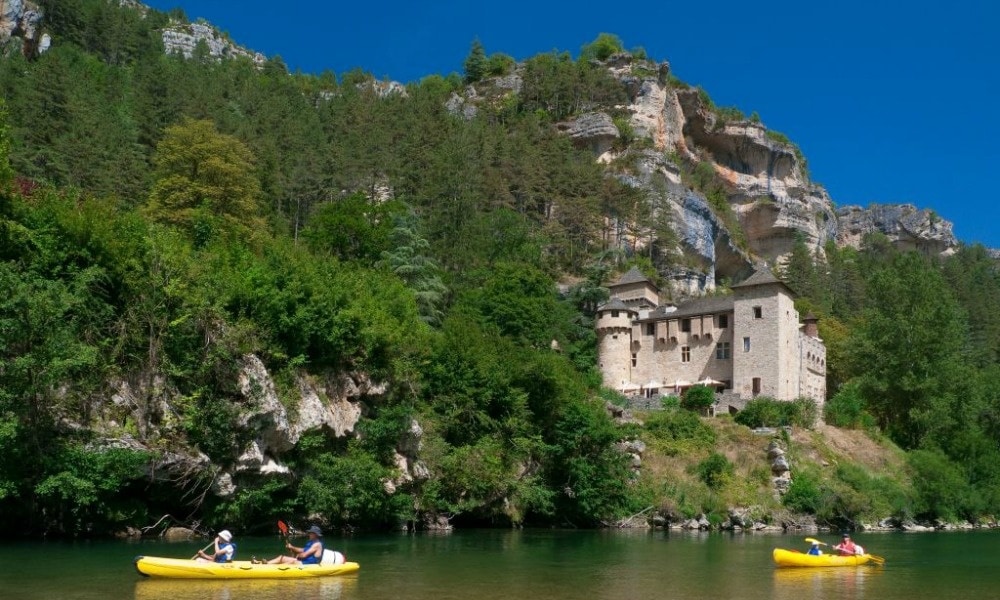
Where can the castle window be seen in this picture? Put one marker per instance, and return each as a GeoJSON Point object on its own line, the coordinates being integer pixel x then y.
{"type": "Point", "coordinates": [723, 321]}
{"type": "Point", "coordinates": [650, 329]}
{"type": "Point", "coordinates": [758, 312]}
{"type": "Point", "coordinates": [635, 359]}
{"type": "Point", "coordinates": [722, 351]}
{"type": "Point", "coordinates": [685, 354]}
{"type": "Point", "coordinates": [746, 344]}
{"type": "Point", "coordinates": [756, 386]}
{"type": "Point", "coordinates": [614, 313]}
{"type": "Point", "coordinates": [686, 325]}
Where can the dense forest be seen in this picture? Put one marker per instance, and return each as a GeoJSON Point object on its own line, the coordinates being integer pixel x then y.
{"type": "Point", "coordinates": [161, 218]}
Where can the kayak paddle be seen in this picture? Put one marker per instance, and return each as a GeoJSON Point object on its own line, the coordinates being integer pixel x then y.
{"type": "Point", "coordinates": [815, 541]}
{"type": "Point", "coordinates": [205, 549]}
{"type": "Point", "coordinates": [283, 528]}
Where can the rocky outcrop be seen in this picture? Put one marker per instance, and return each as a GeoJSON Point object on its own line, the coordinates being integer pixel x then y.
{"type": "Point", "coordinates": [906, 226]}
{"type": "Point", "coordinates": [771, 202]}
{"type": "Point", "coordinates": [766, 181]}
{"type": "Point", "coordinates": [184, 38]}
{"type": "Point", "coordinates": [19, 21]}
{"type": "Point", "coordinates": [594, 130]}
{"type": "Point", "coordinates": [332, 403]}
{"type": "Point", "coordinates": [781, 475]}
{"type": "Point", "coordinates": [709, 248]}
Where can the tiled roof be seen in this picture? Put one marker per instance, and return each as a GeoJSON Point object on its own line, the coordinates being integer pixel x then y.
{"type": "Point", "coordinates": [634, 275]}
{"type": "Point", "coordinates": [615, 304]}
{"type": "Point", "coordinates": [698, 306]}
{"type": "Point", "coordinates": [762, 276]}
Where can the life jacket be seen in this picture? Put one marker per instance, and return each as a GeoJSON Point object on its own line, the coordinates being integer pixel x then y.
{"type": "Point", "coordinates": [311, 559]}
{"type": "Point", "coordinates": [229, 550]}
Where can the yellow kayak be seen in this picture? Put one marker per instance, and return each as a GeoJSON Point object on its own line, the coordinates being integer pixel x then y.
{"type": "Point", "coordinates": [180, 568]}
{"type": "Point", "coordinates": [791, 558]}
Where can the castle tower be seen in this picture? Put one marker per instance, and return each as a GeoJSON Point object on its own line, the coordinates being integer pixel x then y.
{"type": "Point", "coordinates": [766, 348]}
{"type": "Point", "coordinates": [636, 291]}
{"type": "Point", "coordinates": [614, 342]}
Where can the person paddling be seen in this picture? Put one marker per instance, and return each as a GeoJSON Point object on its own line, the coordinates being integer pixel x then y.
{"type": "Point", "coordinates": [225, 549]}
{"type": "Point", "coordinates": [846, 547]}
{"type": "Point", "coordinates": [309, 554]}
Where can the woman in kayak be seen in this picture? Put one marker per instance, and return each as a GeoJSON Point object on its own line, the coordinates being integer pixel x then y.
{"type": "Point", "coordinates": [309, 554]}
{"type": "Point", "coordinates": [224, 549]}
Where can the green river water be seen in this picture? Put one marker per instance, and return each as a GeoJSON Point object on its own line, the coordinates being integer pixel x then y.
{"type": "Point", "coordinates": [531, 564]}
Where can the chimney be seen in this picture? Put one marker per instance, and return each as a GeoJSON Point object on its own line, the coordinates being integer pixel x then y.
{"type": "Point", "coordinates": [810, 327]}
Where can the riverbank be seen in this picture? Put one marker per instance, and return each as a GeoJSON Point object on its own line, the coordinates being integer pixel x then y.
{"type": "Point", "coordinates": [793, 479]}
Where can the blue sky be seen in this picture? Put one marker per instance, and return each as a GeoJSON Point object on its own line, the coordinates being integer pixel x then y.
{"type": "Point", "coordinates": [889, 101]}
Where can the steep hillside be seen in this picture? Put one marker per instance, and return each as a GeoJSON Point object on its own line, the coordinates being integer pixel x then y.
{"type": "Point", "coordinates": [235, 294]}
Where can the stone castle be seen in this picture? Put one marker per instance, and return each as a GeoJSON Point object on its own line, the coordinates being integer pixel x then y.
{"type": "Point", "coordinates": [746, 344]}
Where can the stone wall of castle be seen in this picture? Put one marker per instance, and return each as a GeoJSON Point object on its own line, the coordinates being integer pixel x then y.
{"type": "Point", "coordinates": [757, 347]}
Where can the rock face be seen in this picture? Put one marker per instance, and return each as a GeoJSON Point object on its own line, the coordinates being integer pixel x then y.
{"type": "Point", "coordinates": [769, 199]}
{"type": "Point", "coordinates": [593, 130]}
{"type": "Point", "coordinates": [332, 403]}
{"type": "Point", "coordinates": [19, 20]}
{"type": "Point", "coordinates": [908, 227]}
{"type": "Point", "coordinates": [185, 37]}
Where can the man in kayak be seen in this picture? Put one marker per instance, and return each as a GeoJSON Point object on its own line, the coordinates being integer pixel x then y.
{"type": "Point", "coordinates": [848, 548]}
{"type": "Point", "coordinates": [309, 554]}
{"type": "Point", "coordinates": [224, 549]}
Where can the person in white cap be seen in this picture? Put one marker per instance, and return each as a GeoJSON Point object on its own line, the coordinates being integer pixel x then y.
{"type": "Point", "coordinates": [225, 549]}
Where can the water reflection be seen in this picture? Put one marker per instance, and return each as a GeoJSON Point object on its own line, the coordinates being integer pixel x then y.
{"type": "Point", "coordinates": [327, 588]}
{"type": "Point", "coordinates": [844, 583]}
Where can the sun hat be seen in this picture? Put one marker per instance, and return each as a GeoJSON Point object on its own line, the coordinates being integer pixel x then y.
{"type": "Point", "coordinates": [316, 530]}
{"type": "Point", "coordinates": [224, 534]}
{"type": "Point", "coordinates": [846, 536]}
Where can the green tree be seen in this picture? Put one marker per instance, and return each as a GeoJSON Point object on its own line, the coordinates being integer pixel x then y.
{"type": "Point", "coordinates": [591, 473]}
{"type": "Point", "coordinates": [602, 47]}
{"type": "Point", "coordinates": [909, 372]}
{"type": "Point", "coordinates": [409, 258]}
{"type": "Point", "coordinates": [475, 64]}
{"type": "Point", "coordinates": [800, 272]}
{"type": "Point", "coordinates": [350, 228]}
{"type": "Point", "coordinates": [205, 183]}
{"type": "Point", "coordinates": [698, 398]}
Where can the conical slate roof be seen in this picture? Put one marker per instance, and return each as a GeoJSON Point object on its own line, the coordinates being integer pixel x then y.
{"type": "Point", "coordinates": [761, 276]}
{"type": "Point", "coordinates": [634, 275]}
{"type": "Point", "coordinates": [615, 304]}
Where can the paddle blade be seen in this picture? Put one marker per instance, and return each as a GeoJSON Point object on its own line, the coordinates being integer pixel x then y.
{"type": "Point", "coordinates": [283, 528]}
{"type": "Point", "coordinates": [878, 560]}
{"type": "Point", "coordinates": [815, 541]}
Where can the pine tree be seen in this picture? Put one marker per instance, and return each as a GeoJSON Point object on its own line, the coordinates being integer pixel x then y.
{"type": "Point", "coordinates": [476, 63]}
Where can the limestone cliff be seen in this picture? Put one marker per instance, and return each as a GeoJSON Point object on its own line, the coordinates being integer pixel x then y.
{"type": "Point", "coordinates": [764, 178]}
{"type": "Point", "coordinates": [19, 27]}
{"type": "Point", "coordinates": [908, 227]}
{"type": "Point", "coordinates": [332, 403]}
{"type": "Point", "coordinates": [184, 38]}
{"type": "Point", "coordinates": [769, 200]}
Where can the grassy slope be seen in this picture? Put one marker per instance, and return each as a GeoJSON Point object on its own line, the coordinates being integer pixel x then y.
{"type": "Point", "coordinates": [671, 469]}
